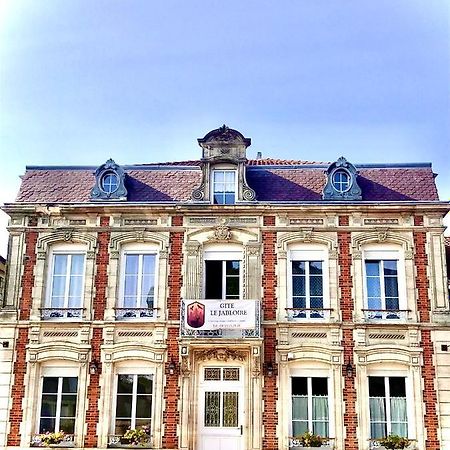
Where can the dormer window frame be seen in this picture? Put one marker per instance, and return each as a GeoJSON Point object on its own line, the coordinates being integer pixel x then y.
{"type": "Point", "coordinates": [213, 183]}
{"type": "Point", "coordinates": [99, 192]}
{"type": "Point", "coordinates": [333, 188]}
{"type": "Point", "coordinates": [337, 183]}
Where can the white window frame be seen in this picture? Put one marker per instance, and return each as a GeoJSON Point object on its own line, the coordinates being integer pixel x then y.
{"type": "Point", "coordinates": [231, 255]}
{"type": "Point", "coordinates": [135, 371]}
{"type": "Point", "coordinates": [409, 404]}
{"type": "Point", "coordinates": [58, 372]}
{"type": "Point", "coordinates": [213, 183]}
{"type": "Point", "coordinates": [309, 253]}
{"type": "Point", "coordinates": [69, 250]}
{"type": "Point", "coordinates": [387, 253]}
{"type": "Point", "coordinates": [314, 373]}
{"type": "Point", "coordinates": [140, 250]}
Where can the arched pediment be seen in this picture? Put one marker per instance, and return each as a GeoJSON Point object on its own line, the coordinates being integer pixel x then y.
{"type": "Point", "coordinates": [138, 236]}
{"type": "Point", "coordinates": [308, 236]}
{"type": "Point", "coordinates": [381, 237]}
{"type": "Point", "coordinates": [66, 236]}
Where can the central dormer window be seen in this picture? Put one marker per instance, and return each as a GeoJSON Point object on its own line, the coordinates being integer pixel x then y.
{"type": "Point", "coordinates": [224, 187]}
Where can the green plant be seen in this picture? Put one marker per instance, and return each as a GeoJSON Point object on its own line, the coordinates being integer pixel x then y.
{"type": "Point", "coordinates": [308, 439]}
{"type": "Point", "coordinates": [137, 436]}
{"type": "Point", "coordinates": [394, 442]}
{"type": "Point", "coordinates": [48, 438]}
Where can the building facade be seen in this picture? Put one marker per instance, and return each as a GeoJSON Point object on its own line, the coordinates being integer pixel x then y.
{"type": "Point", "coordinates": [226, 303]}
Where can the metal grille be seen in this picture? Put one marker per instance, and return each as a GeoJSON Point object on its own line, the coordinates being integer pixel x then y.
{"type": "Point", "coordinates": [230, 409]}
{"type": "Point", "coordinates": [231, 374]}
{"type": "Point", "coordinates": [212, 374]}
{"type": "Point", "coordinates": [212, 409]}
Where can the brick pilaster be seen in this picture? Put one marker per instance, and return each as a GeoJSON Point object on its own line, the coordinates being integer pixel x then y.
{"type": "Point", "coordinates": [101, 283]}
{"type": "Point", "coordinates": [18, 388]}
{"type": "Point", "coordinates": [171, 414]}
{"type": "Point", "coordinates": [269, 305]}
{"type": "Point", "coordinates": [93, 391]}
{"type": "Point", "coordinates": [424, 308]}
{"type": "Point", "coordinates": [347, 307]}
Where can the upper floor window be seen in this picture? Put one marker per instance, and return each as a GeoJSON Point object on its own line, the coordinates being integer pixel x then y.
{"type": "Point", "coordinates": [58, 404]}
{"type": "Point", "coordinates": [133, 402]}
{"type": "Point", "coordinates": [341, 180]}
{"type": "Point", "coordinates": [310, 410]}
{"type": "Point", "coordinates": [222, 275]}
{"type": "Point", "coordinates": [224, 187]}
{"type": "Point", "coordinates": [66, 284]}
{"type": "Point", "coordinates": [109, 182]}
{"type": "Point", "coordinates": [137, 296]}
{"type": "Point", "coordinates": [307, 276]}
{"type": "Point", "coordinates": [388, 407]}
{"type": "Point", "coordinates": [382, 285]}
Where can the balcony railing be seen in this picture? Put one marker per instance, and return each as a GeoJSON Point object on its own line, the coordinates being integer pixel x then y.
{"type": "Point", "coordinates": [135, 313]}
{"type": "Point", "coordinates": [386, 314]}
{"type": "Point", "coordinates": [308, 313]}
{"type": "Point", "coordinates": [61, 313]}
{"type": "Point", "coordinates": [375, 444]}
{"type": "Point", "coordinates": [239, 319]}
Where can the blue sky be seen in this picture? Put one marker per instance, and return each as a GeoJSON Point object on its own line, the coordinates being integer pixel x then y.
{"type": "Point", "coordinates": [140, 80]}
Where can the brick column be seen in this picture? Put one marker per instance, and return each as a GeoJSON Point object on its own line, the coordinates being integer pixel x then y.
{"type": "Point", "coordinates": [171, 415]}
{"type": "Point", "coordinates": [101, 282]}
{"type": "Point", "coordinates": [269, 305]}
{"type": "Point", "coordinates": [347, 307]}
{"type": "Point", "coordinates": [20, 365]}
{"type": "Point", "coordinates": [424, 308]}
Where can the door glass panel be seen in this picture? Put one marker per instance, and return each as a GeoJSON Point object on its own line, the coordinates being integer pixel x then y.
{"type": "Point", "coordinates": [231, 374]}
{"type": "Point", "coordinates": [212, 409]}
{"type": "Point", "coordinates": [212, 374]}
{"type": "Point", "coordinates": [230, 409]}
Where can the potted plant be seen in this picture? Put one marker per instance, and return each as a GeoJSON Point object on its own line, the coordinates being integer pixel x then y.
{"type": "Point", "coordinates": [51, 439]}
{"type": "Point", "coordinates": [309, 440]}
{"type": "Point", "coordinates": [394, 442]}
{"type": "Point", "coordinates": [136, 437]}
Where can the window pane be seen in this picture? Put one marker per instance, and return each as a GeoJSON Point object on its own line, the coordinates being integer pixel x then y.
{"type": "Point", "coordinates": [300, 408]}
{"type": "Point", "coordinates": [50, 384]}
{"type": "Point", "coordinates": [148, 287]}
{"type": "Point", "coordinates": [68, 405]}
{"type": "Point", "coordinates": [315, 285]}
{"type": "Point", "coordinates": [145, 384]}
{"type": "Point", "coordinates": [390, 268]}
{"type": "Point", "coordinates": [46, 424]}
{"type": "Point", "coordinates": [378, 430]}
{"type": "Point", "coordinates": [376, 387]}
{"type": "Point", "coordinates": [374, 303]}
{"type": "Point", "coordinates": [67, 425]}
{"type": "Point", "coordinates": [298, 267]}
{"type": "Point", "coordinates": [392, 303]}
{"type": "Point", "coordinates": [232, 267]}
{"type": "Point", "coordinates": [299, 428]}
{"type": "Point", "coordinates": [58, 286]}
{"type": "Point", "coordinates": [397, 387]}
{"type": "Point", "coordinates": [299, 386]}
{"type": "Point", "coordinates": [213, 279]}
{"type": "Point", "coordinates": [398, 409]}
{"type": "Point", "coordinates": [232, 287]}
{"type": "Point", "coordinates": [391, 287]}
{"type": "Point", "coordinates": [219, 176]}
{"type": "Point", "coordinates": [315, 267]}
{"type": "Point", "coordinates": [123, 408]}
{"type": "Point", "coordinates": [131, 264]}
{"type": "Point", "coordinates": [230, 402]}
{"type": "Point", "coordinates": [48, 405]}
{"type": "Point", "coordinates": [77, 265]}
{"type": "Point", "coordinates": [70, 384]}
{"type": "Point", "coordinates": [400, 429]}
{"type": "Point", "coordinates": [148, 264]}
{"type": "Point", "coordinates": [212, 409]}
{"type": "Point", "coordinates": [299, 302]}
{"type": "Point", "coordinates": [144, 406]}
{"type": "Point", "coordinates": [298, 285]}
{"type": "Point", "coordinates": [319, 386]}
{"type": "Point", "coordinates": [229, 177]}
{"type": "Point", "coordinates": [60, 264]}
{"type": "Point", "coordinates": [373, 287]}
{"type": "Point", "coordinates": [130, 285]}
{"type": "Point", "coordinates": [316, 302]}
{"type": "Point", "coordinates": [76, 286]}
{"type": "Point", "coordinates": [125, 384]}
{"type": "Point", "coordinates": [229, 199]}
{"type": "Point", "coordinates": [372, 268]}
{"type": "Point", "coordinates": [122, 426]}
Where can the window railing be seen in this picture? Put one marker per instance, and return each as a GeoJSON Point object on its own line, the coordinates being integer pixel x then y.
{"type": "Point", "coordinates": [327, 443]}
{"type": "Point", "coordinates": [135, 313]}
{"type": "Point", "coordinates": [308, 313]}
{"type": "Point", "coordinates": [376, 444]}
{"type": "Point", "coordinates": [61, 313]}
{"type": "Point", "coordinates": [386, 314]}
{"type": "Point", "coordinates": [47, 440]}
{"type": "Point", "coordinates": [118, 441]}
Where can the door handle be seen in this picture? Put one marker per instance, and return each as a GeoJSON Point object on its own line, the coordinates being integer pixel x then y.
{"type": "Point", "coordinates": [242, 430]}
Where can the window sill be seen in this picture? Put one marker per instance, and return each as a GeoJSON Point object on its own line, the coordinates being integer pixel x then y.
{"type": "Point", "coordinates": [60, 445]}
{"type": "Point", "coordinates": [119, 445]}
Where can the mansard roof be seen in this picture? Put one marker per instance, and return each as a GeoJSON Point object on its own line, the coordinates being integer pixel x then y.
{"type": "Point", "coordinates": [274, 180]}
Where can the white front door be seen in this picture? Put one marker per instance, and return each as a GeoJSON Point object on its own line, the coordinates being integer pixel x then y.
{"type": "Point", "coordinates": [221, 402]}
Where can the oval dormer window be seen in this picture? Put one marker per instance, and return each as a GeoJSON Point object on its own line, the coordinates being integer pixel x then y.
{"type": "Point", "coordinates": [341, 181]}
{"type": "Point", "coordinates": [109, 182]}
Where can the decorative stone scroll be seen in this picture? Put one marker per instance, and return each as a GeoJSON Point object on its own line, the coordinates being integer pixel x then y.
{"type": "Point", "coordinates": [220, 354]}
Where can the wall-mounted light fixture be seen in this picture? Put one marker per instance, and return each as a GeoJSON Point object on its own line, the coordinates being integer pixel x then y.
{"type": "Point", "coordinates": [171, 368]}
{"type": "Point", "coordinates": [349, 370]}
{"type": "Point", "coordinates": [269, 369]}
{"type": "Point", "coordinates": [5, 344]}
{"type": "Point", "coordinates": [93, 367]}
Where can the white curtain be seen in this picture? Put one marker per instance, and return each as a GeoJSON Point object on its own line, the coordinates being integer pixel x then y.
{"type": "Point", "coordinates": [320, 415]}
{"type": "Point", "coordinates": [377, 417]}
{"type": "Point", "coordinates": [399, 419]}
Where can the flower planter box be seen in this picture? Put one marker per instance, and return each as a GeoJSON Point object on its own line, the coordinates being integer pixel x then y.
{"type": "Point", "coordinates": [120, 445]}
{"type": "Point", "coordinates": [323, 447]}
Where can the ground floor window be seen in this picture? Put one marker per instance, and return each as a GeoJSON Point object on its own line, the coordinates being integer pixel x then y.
{"type": "Point", "coordinates": [133, 402]}
{"type": "Point", "coordinates": [310, 405]}
{"type": "Point", "coordinates": [58, 404]}
{"type": "Point", "coordinates": [388, 409]}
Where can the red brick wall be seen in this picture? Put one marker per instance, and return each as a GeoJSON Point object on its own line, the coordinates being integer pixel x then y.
{"type": "Point", "coordinates": [18, 388]}
{"type": "Point", "coordinates": [347, 307]}
{"type": "Point", "coordinates": [28, 274]}
{"type": "Point", "coordinates": [171, 415]}
{"type": "Point", "coordinates": [269, 305]}
{"type": "Point", "coordinates": [101, 275]}
{"type": "Point", "coordinates": [93, 391]}
{"type": "Point", "coordinates": [424, 308]}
